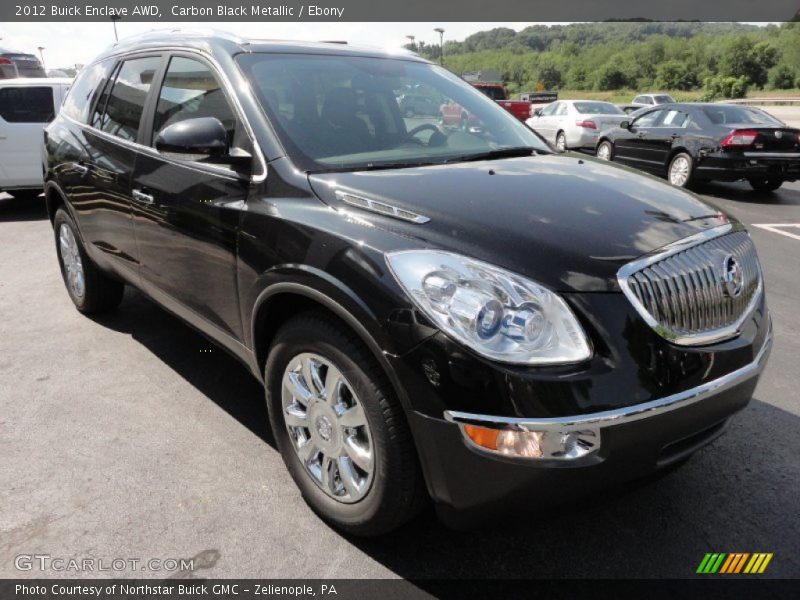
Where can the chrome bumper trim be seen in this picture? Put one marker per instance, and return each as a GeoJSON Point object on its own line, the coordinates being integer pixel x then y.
{"type": "Point", "coordinates": [621, 416]}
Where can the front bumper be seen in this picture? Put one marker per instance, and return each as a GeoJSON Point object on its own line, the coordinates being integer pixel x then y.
{"type": "Point", "coordinates": [631, 442]}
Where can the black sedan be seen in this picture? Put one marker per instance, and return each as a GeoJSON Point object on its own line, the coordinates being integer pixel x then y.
{"type": "Point", "coordinates": [692, 143]}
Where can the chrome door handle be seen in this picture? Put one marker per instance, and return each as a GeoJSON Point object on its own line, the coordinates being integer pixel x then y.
{"type": "Point", "coordinates": [142, 197]}
{"type": "Point", "coordinates": [82, 169]}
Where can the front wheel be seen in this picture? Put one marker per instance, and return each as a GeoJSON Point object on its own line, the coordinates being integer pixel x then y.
{"type": "Point", "coordinates": [605, 151]}
{"type": "Point", "coordinates": [340, 429]}
{"type": "Point", "coordinates": [89, 288]}
{"type": "Point", "coordinates": [680, 170]}
{"type": "Point", "coordinates": [765, 185]}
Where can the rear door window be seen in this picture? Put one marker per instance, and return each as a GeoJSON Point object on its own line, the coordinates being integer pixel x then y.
{"type": "Point", "coordinates": [27, 104]}
{"type": "Point", "coordinates": [124, 107]}
{"type": "Point", "coordinates": [648, 119]}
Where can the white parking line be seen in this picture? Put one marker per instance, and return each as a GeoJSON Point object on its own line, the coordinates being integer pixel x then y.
{"type": "Point", "coordinates": [776, 228]}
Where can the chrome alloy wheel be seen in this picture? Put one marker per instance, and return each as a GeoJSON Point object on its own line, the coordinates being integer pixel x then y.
{"type": "Point", "coordinates": [328, 427]}
{"type": "Point", "coordinates": [679, 171]}
{"type": "Point", "coordinates": [71, 259]}
{"type": "Point", "coordinates": [561, 143]}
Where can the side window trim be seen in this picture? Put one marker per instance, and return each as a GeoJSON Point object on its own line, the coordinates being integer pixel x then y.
{"type": "Point", "coordinates": [145, 134]}
{"type": "Point", "coordinates": [103, 95]}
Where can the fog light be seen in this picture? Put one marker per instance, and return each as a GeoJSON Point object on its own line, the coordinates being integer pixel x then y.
{"type": "Point", "coordinates": [563, 445]}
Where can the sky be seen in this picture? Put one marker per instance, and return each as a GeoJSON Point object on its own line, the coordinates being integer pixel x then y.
{"type": "Point", "coordinates": [69, 43]}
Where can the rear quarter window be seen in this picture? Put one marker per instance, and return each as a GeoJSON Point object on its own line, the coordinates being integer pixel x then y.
{"type": "Point", "coordinates": [85, 89]}
{"type": "Point", "coordinates": [27, 104]}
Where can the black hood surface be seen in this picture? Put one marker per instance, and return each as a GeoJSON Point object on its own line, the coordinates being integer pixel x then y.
{"type": "Point", "coordinates": [565, 221]}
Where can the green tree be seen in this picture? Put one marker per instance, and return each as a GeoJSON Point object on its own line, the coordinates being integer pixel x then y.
{"type": "Point", "coordinates": [612, 77]}
{"type": "Point", "coordinates": [744, 58]}
{"type": "Point", "coordinates": [676, 75]}
{"type": "Point", "coordinates": [782, 78]}
{"type": "Point", "coordinates": [725, 87]}
{"type": "Point", "coordinates": [550, 76]}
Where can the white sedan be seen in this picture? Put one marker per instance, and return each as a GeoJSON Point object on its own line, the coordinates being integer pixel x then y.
{"type": "Point", "coordinates": [575, 124]}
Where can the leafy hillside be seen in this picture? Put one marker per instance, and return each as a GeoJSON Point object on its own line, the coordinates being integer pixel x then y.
{"type": "Point", "coordinates": [720, 59]}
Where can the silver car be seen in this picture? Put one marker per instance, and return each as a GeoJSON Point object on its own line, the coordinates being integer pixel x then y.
{"type": "Point", "coordinates": [575, 124]}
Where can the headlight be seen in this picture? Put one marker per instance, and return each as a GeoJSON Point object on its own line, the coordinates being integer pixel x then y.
{"type": "Point", "coordinates": [498, 314]}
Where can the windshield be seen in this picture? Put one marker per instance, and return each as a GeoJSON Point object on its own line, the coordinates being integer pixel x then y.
{"type": "Point", "coordinates": [663, 99]}
{"type": "Point", "coordinates": [493, 92]}
{"type": "Point", "coordinates": [739, 115]}
{"type": "Point", "coordinates": [344, 112]}
{"type": "Point", "coordinates": [597, 108]}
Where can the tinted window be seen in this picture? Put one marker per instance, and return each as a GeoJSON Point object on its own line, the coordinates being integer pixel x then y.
{"type": "Point", "coordinates": [720, 115]}
{"type": "Point", "coordinates": [125, 105]}
{"type": "Point", "coordinates": [27, 104]}
{"type": "Point", "coordinates": [495, 93]}
{"type": "Point", "coordinates": [597, 108]}
{"type": "Point", "coordinates": [675, 118]}
{"type": "Point", "coordinates": [648, 119]}
{"type": "Point", "coordinates": [191, 91]}
{"type": "Point", "coordinates": [663, 99]}
{"type": "Point", "coordinates": [549, 109]}
{"type": "Point", "coordinates": [85, 89]}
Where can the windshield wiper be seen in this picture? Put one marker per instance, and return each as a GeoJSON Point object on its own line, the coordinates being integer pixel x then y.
{"type": "Point", "coordinates": [377, 167]}
{"type": "Point", "coordinates": [496, 154]}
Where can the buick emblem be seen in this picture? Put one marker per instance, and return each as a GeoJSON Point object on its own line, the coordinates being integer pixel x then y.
{"type": "Point", "coordinates": [732, 276]}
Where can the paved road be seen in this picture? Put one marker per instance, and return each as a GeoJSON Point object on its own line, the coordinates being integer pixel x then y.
{"type": "Point", "coordinates": [131, 436]}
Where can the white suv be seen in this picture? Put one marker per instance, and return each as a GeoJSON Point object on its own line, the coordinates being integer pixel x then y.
{"type": "Point", "coordinates": [26, 107]}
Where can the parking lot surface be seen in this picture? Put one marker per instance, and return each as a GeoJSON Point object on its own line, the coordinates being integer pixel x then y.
{"type": "Point", "coordinates": [131, 436]}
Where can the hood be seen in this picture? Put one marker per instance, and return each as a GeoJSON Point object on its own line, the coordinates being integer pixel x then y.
{"type": "Point", "coordinates": [569, 223]}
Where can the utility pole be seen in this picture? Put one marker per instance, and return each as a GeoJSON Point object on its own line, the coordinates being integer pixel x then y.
{"type": "Point", "coordinates": [114, 19]}
{"type": "Point", "coordinates": [440, 31]}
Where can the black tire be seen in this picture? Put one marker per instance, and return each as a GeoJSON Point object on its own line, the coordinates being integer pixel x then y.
{"type": "Point", "coordinates": [101, 293]}
{"type": "Point", "coordinates": [397, 492]}
{"type": "Point", "coordinates": [606, 144]}
{"type": "Point", "coordinates": [25, 195]}
{"type": "Point", "coordinates": [561, 142]}
{"type": "Point", "coordinates": [681, 158]}
{"type": "Point", "coordinates": [766, 185]}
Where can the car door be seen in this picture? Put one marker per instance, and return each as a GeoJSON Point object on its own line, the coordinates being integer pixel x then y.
{"type": "Point", "coordinates": [669, 127]}
{"type": "Point", "coordinates": [102, 175]}
{"type": "Point", "coordinates": [633, 147]}
{"type": "Point", "coordinates": [188, 209]}
{"type": "Point", "coordinates": [24, 112]}
{"type": "Point", "coordinates": [543, 124]}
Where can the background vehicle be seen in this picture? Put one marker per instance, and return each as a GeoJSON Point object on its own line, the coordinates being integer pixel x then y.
{"type": "Point", "coordinates": [405, 346]}
{"type": "Point", "coordinates": [419, 105]}
{"type": "Point", "coordinates": [27, 64]}
{"type": "Point", "coordinates": [647, 100]}
{"type": "Point", "coordinates": [26, 106]}
{"type": "Point", "coordinates": [692, 143]}
{"type": "Point", "coordinates": [498, 93]}
{"type": "Point", "coordinates": [8, 70]}
{"type": "Point", "coordinates": [574, 124]}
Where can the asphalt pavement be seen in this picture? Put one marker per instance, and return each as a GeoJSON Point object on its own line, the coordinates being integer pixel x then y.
{"type": "Point", "coordinates": [132, 437]}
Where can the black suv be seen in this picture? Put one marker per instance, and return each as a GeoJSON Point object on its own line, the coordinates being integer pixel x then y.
{"type": "Point", "coordinates": [434, 312]}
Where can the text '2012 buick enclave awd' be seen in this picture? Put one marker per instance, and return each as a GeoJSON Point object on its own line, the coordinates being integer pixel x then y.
{"type": "Point", "coordinates": [433, 311]}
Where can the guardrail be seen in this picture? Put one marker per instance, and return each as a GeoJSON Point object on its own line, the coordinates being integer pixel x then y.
{"type": "Point", "coordinates": [765, 101]}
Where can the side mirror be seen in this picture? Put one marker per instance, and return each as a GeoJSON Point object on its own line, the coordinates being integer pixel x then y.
{"type": "Point", "coordinates": [204, 137]}
{"type": "Point", "coordinates": [625, 125]}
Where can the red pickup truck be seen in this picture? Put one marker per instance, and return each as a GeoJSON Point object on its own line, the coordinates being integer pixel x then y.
{"type": "Point", "coordinates": [453, 114]}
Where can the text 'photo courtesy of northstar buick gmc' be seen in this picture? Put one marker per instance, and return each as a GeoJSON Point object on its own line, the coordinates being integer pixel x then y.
{"type": "Point", "coordinates": [436, 313]}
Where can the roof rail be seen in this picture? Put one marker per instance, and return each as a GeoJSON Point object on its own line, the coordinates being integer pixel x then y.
{"type": "Point", "coordinates": [333, 42]}
{"type": "Point", "coordinates": [199, 32]}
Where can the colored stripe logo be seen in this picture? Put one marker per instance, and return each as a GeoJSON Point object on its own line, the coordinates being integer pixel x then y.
{"type": "Point", "coordinates": [734, 563]}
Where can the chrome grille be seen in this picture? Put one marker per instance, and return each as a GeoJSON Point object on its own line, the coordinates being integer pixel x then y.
{"type": "Point", "coordinates": [682, 292]}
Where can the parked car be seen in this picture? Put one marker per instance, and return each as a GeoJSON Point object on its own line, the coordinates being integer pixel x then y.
{"type": "Point", "coordinates": [497, 92]}
{"type": "Point", "coordinates": [647, 101]}
{"type": "Point", "coordinates": [465, 315]}
{"type": "Point", "coordinates": [27, 65]}
{"type": "Point", "coordinates": [8, 70]}
{"type": "Point", "coordinates": [692, 143]}
{"type": "Point", "coordinates": [418, 105]}
{"type": "Point", "coordinates": [575, 124]}
{"type": "Point", "coordinates": [26, 106]}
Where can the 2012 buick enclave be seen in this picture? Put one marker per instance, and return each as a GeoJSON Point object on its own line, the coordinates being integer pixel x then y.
{"type": "Point", "coordinates": [433, 311]}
